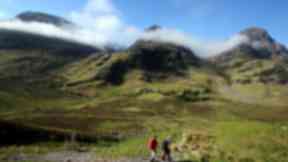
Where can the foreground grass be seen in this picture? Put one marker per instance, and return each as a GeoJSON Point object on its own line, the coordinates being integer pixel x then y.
{"type": "Point", "coordinates": [256, 141]}
{"type": "Point", "coordinates": [243, 132]}
{"type": "Point", "coordinates": [238, 141]}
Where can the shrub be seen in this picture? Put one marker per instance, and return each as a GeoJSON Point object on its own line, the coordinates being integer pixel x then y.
{"type": "Point", "coordinates": [194, 94]}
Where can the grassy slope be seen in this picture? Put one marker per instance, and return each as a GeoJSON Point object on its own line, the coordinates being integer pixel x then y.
{"type": "Point", "coordinates": [246, 69]}
{"type": "Point", "coordinates": [137, 109]}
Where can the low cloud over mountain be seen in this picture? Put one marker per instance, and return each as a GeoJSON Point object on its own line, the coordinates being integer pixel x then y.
{"type": "Point", "coordinates": [99, 24]}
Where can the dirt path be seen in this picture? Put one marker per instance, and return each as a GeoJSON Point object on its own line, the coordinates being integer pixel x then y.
{"type": "Point", "coordinates": [66, 157]}
{"type": "Point", "coordinates": [53, 157]}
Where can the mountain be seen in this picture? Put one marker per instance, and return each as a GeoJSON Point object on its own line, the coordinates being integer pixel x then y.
{"type": "Point", "coordinates": [55, 90]}
{"type": "Point", "coordinates": [153, 28]}
{"type": "Point", "coordinates": [152, 55]}
{"type": "Point", "coordinates": [41, 17]}
{"type": "Point", "coordinates": [259, 44]}
{"type": "Point", "coordinates": [28, 56]}
{"type": "Point", "coordinates": [260, 59]}
{"type": "Point", "coordinates": [20, 40]}
{"type": "Point", "coordinates": [32, 57]}
{"type": "Point", "coordinates": [154, 59]}
{"type": "Point", "coordinates": [158, 56]}
{"type": "Point", "coordinates": [260, 39]}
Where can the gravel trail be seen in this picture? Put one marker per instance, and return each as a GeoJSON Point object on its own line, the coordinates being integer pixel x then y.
{"type": "Point", "coordinates": [68, 156]}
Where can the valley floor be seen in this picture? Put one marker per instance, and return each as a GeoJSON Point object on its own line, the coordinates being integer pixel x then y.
{"type": "Point", "coordinates": [224, 129]}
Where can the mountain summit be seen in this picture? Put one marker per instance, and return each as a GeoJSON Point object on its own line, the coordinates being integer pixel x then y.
{"type": "Point", "coordinates": [261, 40]}
{"type": "Point", "coordinates": [20, 40]}
{"type": "Point", "coordinates": [260, 59]}
{"type": "Point", "coordinates": [260, 44]}
{"type": "Point", "coordinates": [153, 28]}
{"type": "Point", "coordinates": [257, 34]}
{"type": "Point", "coordinates": [41, 17]}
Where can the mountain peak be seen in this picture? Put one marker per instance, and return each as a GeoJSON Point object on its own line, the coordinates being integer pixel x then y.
{"type": "Point", "coordinates": [255, 29]}
{"type": "Point", "coordinates": [262, 41]}
{"type": "Point", "coordinates": [257, 34]}
{"type": "Point", "coordinates": [153, 28]}
{"type": "Point", "coordinates": [32, 16]}
{"type": "Point", "coordinates": [260, 45]}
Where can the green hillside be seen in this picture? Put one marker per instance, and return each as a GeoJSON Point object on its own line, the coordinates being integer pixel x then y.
{"type": "Point", "coordinates": [245, 69]}
{"type": "Point", "coordinates": [234, 110]}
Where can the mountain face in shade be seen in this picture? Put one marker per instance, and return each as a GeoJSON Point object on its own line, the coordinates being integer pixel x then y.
{"type": "Point", "coordinates": [159, 56]}
{"type": "Point", "coordinates": [17, 40]}
{"type": "Point", "coordinates": [260, 44]}
{"type": "Point", "coordinates": [20, 40]}
{"type": "Point", "coordinates": [257, 34]}
{"type": "Point", "coordinates": [260, 39]}
{"type": "Point", "coordinates": [40, 17]}
{"type": "Point", "coordinates": [260, 59]}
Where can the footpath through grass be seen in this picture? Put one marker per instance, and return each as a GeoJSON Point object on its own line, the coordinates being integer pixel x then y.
{"type": "Point", "coordinates": [238, 132]}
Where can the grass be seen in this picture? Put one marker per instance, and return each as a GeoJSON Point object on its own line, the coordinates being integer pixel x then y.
{"type": "Point", "coordinates": [259, 135]}
{"type": "Point", "coordinates": [133, 118]}
{"type": "Point", "coordinates": [152, 97]}
{"type": "Point", "coordinates": [140, 118]}
{"type": "Point", "coordinates": [252, 140]}
{"type": "Point", "coordinates": [253, 131]}
{"type": "Point", "coordinates": [257, 93]}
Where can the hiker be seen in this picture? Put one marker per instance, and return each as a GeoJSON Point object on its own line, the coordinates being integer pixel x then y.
{"type": "Point", "coordinates": [166, 150]}
{"type": "Point", "coordinates": [152, 146]}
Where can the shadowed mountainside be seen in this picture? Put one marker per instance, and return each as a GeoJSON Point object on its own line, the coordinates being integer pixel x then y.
{"type": "Point", "coordinates": [261, 59]}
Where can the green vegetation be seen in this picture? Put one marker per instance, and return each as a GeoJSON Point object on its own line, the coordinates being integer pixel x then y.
{"type": "Point", "coordinates": [104, 97]}
{"type": "Point", "coordinates": [245, 68]}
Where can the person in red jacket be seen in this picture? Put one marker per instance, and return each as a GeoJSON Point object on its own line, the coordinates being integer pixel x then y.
{"type": "Point", "coordinates": [152, 146]}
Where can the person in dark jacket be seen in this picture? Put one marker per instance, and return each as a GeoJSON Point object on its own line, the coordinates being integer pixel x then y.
{"type": "Point", "coordinates": [166, 150]}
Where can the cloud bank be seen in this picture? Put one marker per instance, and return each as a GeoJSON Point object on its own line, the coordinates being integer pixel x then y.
{"type": "Point", "coordinates": [203, 48]}
{"type": "Point", "coordinates": [101, 19]}
{"type": "Point", "coordinates": [100, 24]}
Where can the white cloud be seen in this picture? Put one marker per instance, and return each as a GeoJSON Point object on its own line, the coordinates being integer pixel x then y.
{"type": "Point", "coordinates": [96, 14]}
{"type": "Point", "coordinates": [44, 29]}
{"type": "Point", "coordinates": [101, 24]}
{"type": "Point", "coordinates": [201, 47]}
{"type": "Point", "coordinates": [104, 21]}
{"type": "Point", "coordinates": [212, 48]}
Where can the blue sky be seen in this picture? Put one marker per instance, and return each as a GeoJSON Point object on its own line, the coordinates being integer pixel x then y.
{"type": "Point", "coordinates": [208, 19]}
